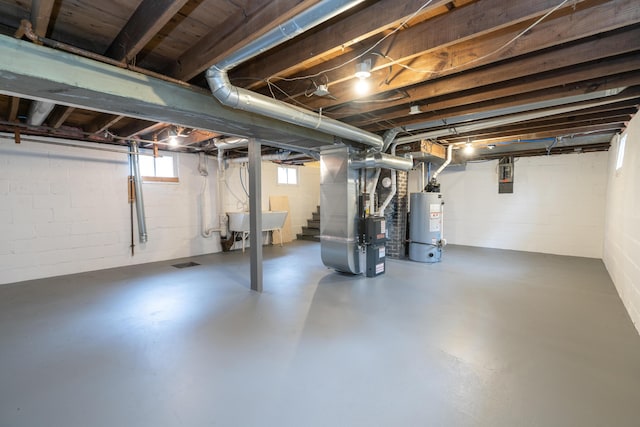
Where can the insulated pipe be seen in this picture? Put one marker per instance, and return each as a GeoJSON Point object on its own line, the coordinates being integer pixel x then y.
{"type": "Point", "coordinates": [446, 162]}
{"type": "Point", "coordinates": [279, 156]}
{"type": "Point", "coordinates": [246, 100]}
{"type": "Point", "coordinates": [38, 112]}
{"type": "Point", "coordinates": [230, 143]}
{"type": "Point", "coordinates": [222, 218]}
{"type": "Point", "coordinates": [137, 182]}
{"type": "Point", "coordinates": [382, 160]}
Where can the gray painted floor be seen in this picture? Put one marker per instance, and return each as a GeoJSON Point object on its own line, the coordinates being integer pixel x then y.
{"type": "Point", "coordinates": [485, 338]}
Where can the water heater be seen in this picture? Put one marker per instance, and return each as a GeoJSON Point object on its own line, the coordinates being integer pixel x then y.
{"type": "Point", "coordinates": [425, 227]}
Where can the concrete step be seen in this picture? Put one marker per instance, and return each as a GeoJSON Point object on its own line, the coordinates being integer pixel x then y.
{"type": "Point", "coordinates": [310, 231]}
{"type": "Point", "coordinates": [309, 238]}
{"type": "Point", "coordinates": [316, 216]}
{"type": "Point", "coordinates": [313, 223]}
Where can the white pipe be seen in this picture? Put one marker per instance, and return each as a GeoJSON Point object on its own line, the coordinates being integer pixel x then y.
{"type": "Point", "coordinates": [205, 199]}
{"type": "Point", "coordinates": [39, 111]}
{"type": "Point", "coordinates": [222, 218]}
{"type": "Point", "coordinates": [446, 162]}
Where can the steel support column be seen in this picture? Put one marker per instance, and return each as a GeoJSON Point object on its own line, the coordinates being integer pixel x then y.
{"type": "Point", "coordinates": [255, 219]}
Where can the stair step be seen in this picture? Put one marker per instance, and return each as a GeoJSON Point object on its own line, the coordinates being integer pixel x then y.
{"type": "Point", "coordinates": [309, 238]}
{"type": "Point", "coordinates": [316, 216]}
{"type": "Point", "coordinates": [313, 224]}
{"type": "Point", "coordinates": [310, 231]}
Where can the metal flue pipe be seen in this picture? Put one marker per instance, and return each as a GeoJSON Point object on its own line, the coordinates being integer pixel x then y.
{"type": "Point", "coordinates": [137, 183]}
{"type": "Point", "coordinates": [446, 162]}
{"type": "Point", "coordinates": [239, 98]}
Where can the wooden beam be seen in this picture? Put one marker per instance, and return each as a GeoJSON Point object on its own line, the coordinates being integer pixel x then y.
{"type": "Point", "coordinates": [41, 15]}
{"type": "Point", "coordinates": [617, 72]}
{"type": "Point", "coordinates": [543, 126]}
{"type": "Point", "coordinates": [560, 131]}
{"type": "Point", "coordinates": [562, 27]}
{"type": "Point", "coordinates": [459, 25]}
{"type": "Point", "coordinates": [339, 37]}
{"type": "Point", "coordinates": [574, 57]}
{"type": "Point", "coordinates": [261, 16]}
{"type": "Point", "coordinates": [13, 109]}
{"type": "Point", "coordinates": [146, 21]}
{"type": "Point", "coordinates": [379, 123]}
{"type": "Point", "coordinates": [104, 122]}
{"type": "Point", "coordinates": [59, 115]}
{"type": "Point", "coordinates": [197, 136]}
{"type": "Point", "coordinates": [141, 128]}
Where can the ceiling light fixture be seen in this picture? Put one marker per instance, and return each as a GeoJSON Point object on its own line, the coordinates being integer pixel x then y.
{"type": "Point", "coordinates": [414, 109]}
{"type": "Point", "coordinates": [363, 72]}
{"type": "Point", "coordinates": [468, 148]}
{"type": "Point", "coordinates": [363, 69]}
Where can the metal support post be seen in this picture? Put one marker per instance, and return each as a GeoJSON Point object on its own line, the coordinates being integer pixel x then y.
{"type": "Point", "coordinates": [255, 208]}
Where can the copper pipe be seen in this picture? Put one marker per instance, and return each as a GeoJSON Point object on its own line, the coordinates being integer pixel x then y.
{"type": "Point", "coordinates": [26, 29]}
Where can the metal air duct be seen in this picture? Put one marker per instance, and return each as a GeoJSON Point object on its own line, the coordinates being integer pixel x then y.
{"type": "Point", "coordinates": [382, 160]}
{"type": "Point", "coordinates": [246, 100]}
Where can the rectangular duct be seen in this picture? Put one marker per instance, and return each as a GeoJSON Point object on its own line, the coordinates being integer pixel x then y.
{"type": "Point", "coordinates": [339, 211]}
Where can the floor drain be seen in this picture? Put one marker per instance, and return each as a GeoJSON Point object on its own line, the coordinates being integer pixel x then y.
{"type": "Point", "coordinates": [185, 264]}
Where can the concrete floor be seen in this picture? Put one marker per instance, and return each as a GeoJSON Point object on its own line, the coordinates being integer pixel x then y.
{"type": "Point", "coordinates": [485, 338]}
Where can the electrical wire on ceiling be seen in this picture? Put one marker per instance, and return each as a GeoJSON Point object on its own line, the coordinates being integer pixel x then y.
{"type": "Point", "coordinates": [401, 26]}
{"type": "Point", "coordinates": [376, 44]}
{"type": "Point", "coordinates": [483, 57]}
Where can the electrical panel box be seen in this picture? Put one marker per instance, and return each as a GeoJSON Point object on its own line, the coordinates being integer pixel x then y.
{"type": "Point", "coordinates": [375, 260]}
{"type": "Point", "coordinates": [375, 230]}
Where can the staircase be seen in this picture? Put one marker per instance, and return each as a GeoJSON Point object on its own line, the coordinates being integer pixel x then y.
{"type": "Point", "coordinates": [312, 230]}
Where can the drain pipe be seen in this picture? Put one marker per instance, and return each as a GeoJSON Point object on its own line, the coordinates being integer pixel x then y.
{"type": "Point", "coordinates": [137, 183]}
{"type": "Point", "coordinates": [204, 197]}
{"type": "Point", "coordinates": [239, 98]}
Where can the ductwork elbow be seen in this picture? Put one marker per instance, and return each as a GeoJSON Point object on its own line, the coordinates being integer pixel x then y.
{"type": "Point", "coordinates": [222, 88]}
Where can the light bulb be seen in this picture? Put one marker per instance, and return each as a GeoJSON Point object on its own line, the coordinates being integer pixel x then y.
{"type": "Point", "coordinates": [173, 140]}
{"type": "Point", "coordinates": [361, 87]}
{"type": "Point", "coordinates": [468, 149]}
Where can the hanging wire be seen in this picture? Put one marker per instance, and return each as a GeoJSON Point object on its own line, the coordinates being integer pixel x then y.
{"type": "Point", "coordinates": [403, 25]}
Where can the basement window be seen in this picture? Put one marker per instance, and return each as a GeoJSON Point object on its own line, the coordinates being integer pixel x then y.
{"type": "Point", "coordinates": [287, 176]}
{"type": "Point", "coordinates": [159, 169]}
{"type": "Point", "coordinates": [620, 158]}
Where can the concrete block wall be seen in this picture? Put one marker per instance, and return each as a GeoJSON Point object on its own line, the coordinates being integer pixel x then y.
{"type": "Point", "coordinates": [557, 206]}
{"type": "Point", "coordinates": [622, 221]}
{"type": "Point", "coordinates": [65, 210]}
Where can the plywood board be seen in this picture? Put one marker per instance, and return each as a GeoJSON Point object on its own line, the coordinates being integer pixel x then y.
{"type": "Point", "coordinates": [281, 203]}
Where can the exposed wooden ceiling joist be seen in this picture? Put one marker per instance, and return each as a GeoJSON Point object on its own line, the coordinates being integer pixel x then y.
{"type": "Point", "coordinates": [59, 115]}
{"type": "Point", "coordinates": [41, 15]}
{"type": "Point", "coordinates": [146, 21]}
{"type": "Point", "coordinates": [380, 16]}
{"type": "Point", "coordinates": [233, 33]}
{"type": "Point", "coordinates": [567, 27]}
